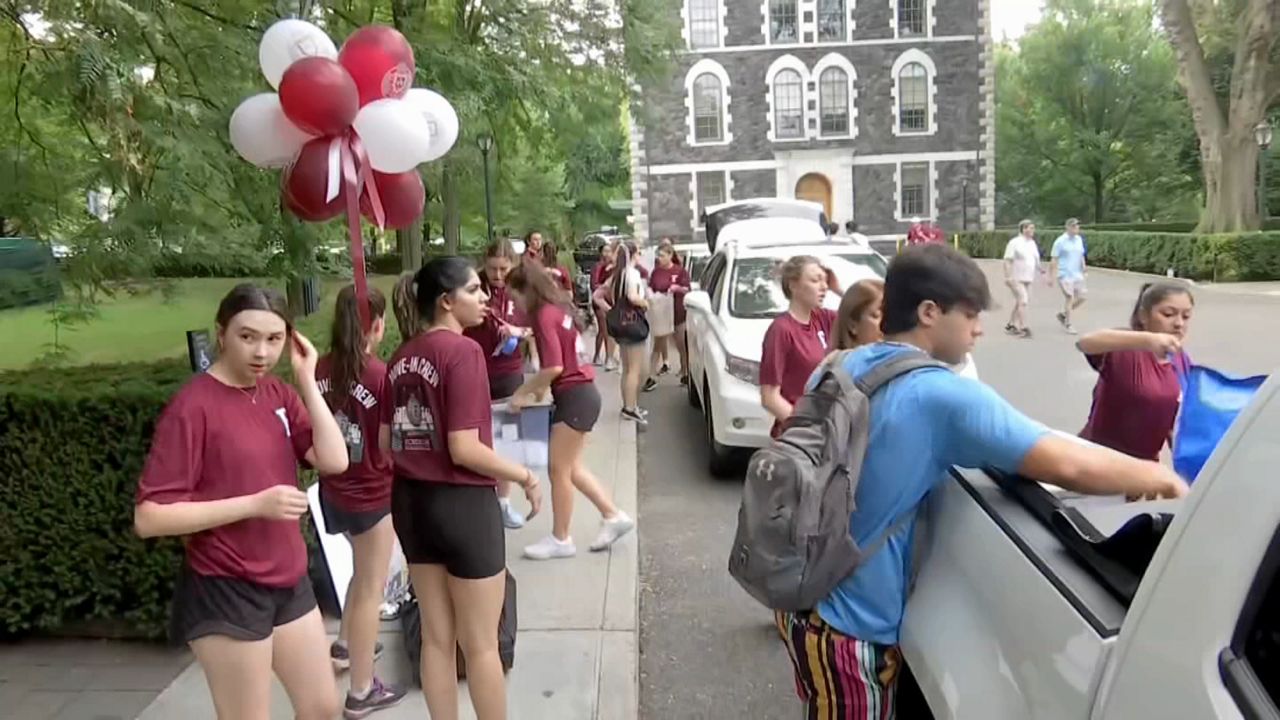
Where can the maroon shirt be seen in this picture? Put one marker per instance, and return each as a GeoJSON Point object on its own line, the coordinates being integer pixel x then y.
{"type": "Point", "coordinates": [1135, 402]}
{"type": "Point", "coordinates": [214, 442]}
{"type": "Point", "coordinates": [661, 281]}
{"type": "Point", "coordinates": [557, 340]}
{"type": "Point", "coordinates": [366, 485]}
{"type": "Point", "coordinates": [436, 384]}
{"type": "Point", "coordinates": [792, 350]}
{"type": "Point", "coordinates": [600, 274]}
{"type": "Point", "coordinates": [488, 334]}
{"type": "Point", "coordinates": [561, 275]}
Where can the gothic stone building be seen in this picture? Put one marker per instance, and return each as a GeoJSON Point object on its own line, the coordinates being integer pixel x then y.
{"type": "Point", "coordinates": [881, 110]}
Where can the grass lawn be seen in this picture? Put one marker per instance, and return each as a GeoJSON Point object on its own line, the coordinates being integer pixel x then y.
{"type": "Point", "coordinates": [145, 327]}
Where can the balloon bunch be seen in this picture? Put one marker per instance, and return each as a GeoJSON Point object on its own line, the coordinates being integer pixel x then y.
{"type": "Point", "coordinates": [347, 127]}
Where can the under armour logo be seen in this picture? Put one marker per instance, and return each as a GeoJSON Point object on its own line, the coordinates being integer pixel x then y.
{"type": "Point", "coordinates": [766, 470]}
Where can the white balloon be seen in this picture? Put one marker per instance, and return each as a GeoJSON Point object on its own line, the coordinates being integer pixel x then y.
{"type": "Point", "coordinates": [263, 135]}
{"type": "Point", "coordinates": [441, 118]}
{"type": "Point", "coordinates": [288, 41]}
{"type": "Point", "coordinates": [395, 135]}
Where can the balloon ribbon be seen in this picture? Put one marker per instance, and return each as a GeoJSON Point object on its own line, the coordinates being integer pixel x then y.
{"type": "Point", "coordinates": [350, 150]}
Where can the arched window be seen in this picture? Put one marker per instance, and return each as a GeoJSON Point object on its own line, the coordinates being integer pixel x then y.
{"type": "Point", "coordinates": [784, 21]}
{"type": "Point", "coordinates": [788, 105]}
{"type": "Point", "coordinates": [833, 101]}
{"type": "Point", "coordinates": [831, 21]}
{"type": "Point", "coordinates": [913, 98]}
{"type": "Point", "coordinates": [708, 125]}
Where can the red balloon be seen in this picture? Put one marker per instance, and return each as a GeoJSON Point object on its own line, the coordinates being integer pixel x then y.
{"type": "Point", "coordinates": [306, 183]}
{"type": "Point", "coordinates": [381, 62]}
{"type": "Point", "coordinates": [319, 96]}
{"type": "Point", "coordinates": [402, 195]}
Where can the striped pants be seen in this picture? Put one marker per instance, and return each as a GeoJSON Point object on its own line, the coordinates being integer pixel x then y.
{"type": "Point", "coordinates": [839, 677]}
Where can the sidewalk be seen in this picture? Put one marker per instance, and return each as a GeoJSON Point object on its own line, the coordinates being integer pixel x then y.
{"type": "Point", "coordinates": [577, 647]}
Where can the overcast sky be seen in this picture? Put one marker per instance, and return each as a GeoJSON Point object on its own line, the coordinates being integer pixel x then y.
{"type": "Point", "coordinates": [1009, 18]}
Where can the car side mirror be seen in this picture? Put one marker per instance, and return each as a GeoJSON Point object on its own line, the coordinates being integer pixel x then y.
{"type": "Point", "coordinates": [698, 300]}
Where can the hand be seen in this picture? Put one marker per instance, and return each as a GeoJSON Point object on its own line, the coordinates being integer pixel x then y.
{"type": "Point", "coordinates": [1165, 484]}
{"type": "Point", "coordinates": [1163, 344]}
{"type": "Point", "coordinates": [303, 355]}
{"type": "Point", "coordinates": [520, 401]}
{"type": "Point", "coordinates": [532, 493]}
{"type": "Point", "coordinates": [280, 502]}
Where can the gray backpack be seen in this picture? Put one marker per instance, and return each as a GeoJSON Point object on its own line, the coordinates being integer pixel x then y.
{"type": "Point", "coordinates": [792, 546]}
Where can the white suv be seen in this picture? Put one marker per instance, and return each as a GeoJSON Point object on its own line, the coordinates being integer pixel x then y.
{"type": "Point", "coordinates": [728, 317]}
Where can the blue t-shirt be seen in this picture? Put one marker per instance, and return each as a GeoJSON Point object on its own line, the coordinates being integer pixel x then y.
{"type": "Point", "coordinates": [921, 425]}
{"type": "Point", "coordinates": [1068, 250]}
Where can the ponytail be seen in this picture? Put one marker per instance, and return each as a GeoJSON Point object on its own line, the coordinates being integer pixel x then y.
{"type": "Point", "coordinates": [347, 342]}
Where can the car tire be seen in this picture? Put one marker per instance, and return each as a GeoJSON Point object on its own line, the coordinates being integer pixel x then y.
{"type": "Point", "coordinates": [692, 389]}
{"type": "Point", "coordinates": [721, 459]}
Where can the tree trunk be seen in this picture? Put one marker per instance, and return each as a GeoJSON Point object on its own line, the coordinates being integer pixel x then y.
{"type": "Point", "coordinates": [1230, 184]}
{"type": "Point", "coordinates": [410, 243]}
{"type": "Point", "coordinates": [452, 211]}
{"type": "Point", "coordinates": [1099, 187]}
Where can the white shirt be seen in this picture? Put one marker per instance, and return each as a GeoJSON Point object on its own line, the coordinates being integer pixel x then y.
{"type": "Point", "coordinates": [1025, 255]}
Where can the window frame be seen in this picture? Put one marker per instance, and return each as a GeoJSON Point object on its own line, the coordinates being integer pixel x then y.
{"type": "Point", "coordinates": [703, 67]}
{"type": "Point", "coordinates": [927, 17]}
{"type": "Point", "coordinates": [922, 81]}
{"type": "Point", "coordinates": [845, 21]}
{"type": "Point", "coordinates": [769, 22]}
{"type": "Point", "coordinates": [843, 85]}
{"type": "Point", "coordinates": [715, 275]}
{"type": "Point", "coordinates": [699, 205]}
{"type": "Point", "coordinates": [718, 7]}
{"type": "Point", "coordinates": [719, 108]}
{"type": "Point", "coordinates": [799, 108]}
{"type": "Point", "coordinates": [1243, 684]}
{"type": "Point", "coordinates": [927, 202]}
{"type": "Point", "coordinates": [915, 56]}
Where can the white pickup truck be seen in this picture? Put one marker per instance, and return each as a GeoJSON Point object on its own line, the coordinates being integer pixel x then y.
{"type": "Point", "coordinates": [1035, 604]}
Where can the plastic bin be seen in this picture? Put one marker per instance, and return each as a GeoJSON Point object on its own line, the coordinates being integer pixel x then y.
{"type": "Point", "coordinates": [522, 437]}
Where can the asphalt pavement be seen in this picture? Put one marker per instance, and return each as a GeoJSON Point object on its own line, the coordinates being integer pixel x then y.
{"type": "Point", "coordinates": [707, 650]}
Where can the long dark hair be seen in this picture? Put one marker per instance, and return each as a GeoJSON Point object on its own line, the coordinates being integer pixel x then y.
{"type": "Point", "coordinates": [439, 277]}
{"type": "Point", "coordinates": [347, 342]}
{"type": "Point", "coordinates": [550, 254]}
{"type": "Point", "coordinates": [538, 289]}
{"type": "Point", "coordinates": [622, 263]}
{"type": "Point", "coordinates": [247, 296]}
{"type": "Point", "coordinates": [1154, 293]}
{"type": "Point", "coordinates": [405, 304]}
{"type": "Point", "coordinates": [500, 248]}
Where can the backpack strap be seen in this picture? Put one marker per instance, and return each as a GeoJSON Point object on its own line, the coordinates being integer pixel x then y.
{"type": "Point", "coordinates": [877, 377]}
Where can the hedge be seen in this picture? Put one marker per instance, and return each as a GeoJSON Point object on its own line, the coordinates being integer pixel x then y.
{"type": "Point", "coordinates": [1221, 258]}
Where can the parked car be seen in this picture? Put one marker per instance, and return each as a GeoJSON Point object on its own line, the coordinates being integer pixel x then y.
{"type": "Point", "coordinates": [694, 257]}
{"type": "Point", "coordinates": [1031, 602]}
{"type": "Point", "coordinates": [740, 296]}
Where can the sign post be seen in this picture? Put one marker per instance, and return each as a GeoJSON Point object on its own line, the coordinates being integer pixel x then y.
{"type": "Point", "coordinates": [199, 350]}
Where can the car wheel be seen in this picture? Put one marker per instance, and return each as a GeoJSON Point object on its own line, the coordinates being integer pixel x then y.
{"type": "Point", "coordinates": [721, 458]}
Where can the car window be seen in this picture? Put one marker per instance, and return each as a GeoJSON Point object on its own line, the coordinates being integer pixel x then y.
{"type": "Point", "coordinates": [695, 266]}
{"type": "Point", "coordinates": [1251, 664]}
{"type": "Point", "coordinates": [715, 280]}
{"type": "Point", "coordinates": [757, 289]}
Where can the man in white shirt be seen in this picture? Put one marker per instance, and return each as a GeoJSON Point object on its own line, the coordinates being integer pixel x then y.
{"type": "Point", "coordinates": [1068, 255]}
{"type": "Point", "coordinates": [1021, 263]}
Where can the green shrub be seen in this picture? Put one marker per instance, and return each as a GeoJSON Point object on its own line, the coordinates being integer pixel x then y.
{"type": "Point", "coordinates": [1222, 258]}
{"type": "Point", "coordinates": [28, 273]}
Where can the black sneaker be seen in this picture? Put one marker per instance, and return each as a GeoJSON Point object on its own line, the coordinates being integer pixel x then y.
{"type": "Point", "coordinates": [341, 657]}
{"type": "Point", "coordinates": [380, 697]}
{"type": "Point", "coordinates": [1062, 319]}
{"type": "Point", "coordinates": [634, 415]}
{"type": "Point", "coordinates": [1011, 330]}
{"type": "Point", "coordinates": [664, 369]}
{"type": "Point", "coordinates": [649, 385]}
{"type": "Point", "coordinates": [1025, 332]}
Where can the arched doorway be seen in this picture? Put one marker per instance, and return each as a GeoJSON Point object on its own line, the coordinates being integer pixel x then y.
{"type": "Point", "coordinates": [817, 188]}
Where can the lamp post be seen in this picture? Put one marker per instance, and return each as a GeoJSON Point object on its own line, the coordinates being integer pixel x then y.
{"type": "Point", "coordinates": [964, 204]}
{"type": "Point", "coordinates": [1262, 133]}
{"type": "Point", "coordinates": [485, 143]}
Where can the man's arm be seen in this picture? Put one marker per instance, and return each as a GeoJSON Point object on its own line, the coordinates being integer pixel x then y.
{"type": "Point", "coordinates": [1095, 470]}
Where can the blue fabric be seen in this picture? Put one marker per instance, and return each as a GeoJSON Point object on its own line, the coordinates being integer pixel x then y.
{"type": "Point", "coordinates": [1210, 403]}
{"type": "Point", "coordinates": [1069, 251]}
{"type": "Point", "coordinates": [921, 425]}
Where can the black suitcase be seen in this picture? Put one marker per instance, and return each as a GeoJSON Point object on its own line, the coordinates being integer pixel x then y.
{"type": "Point", "coordinates": [411, 626]}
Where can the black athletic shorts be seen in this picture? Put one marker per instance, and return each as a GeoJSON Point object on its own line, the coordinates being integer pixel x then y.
{"type": "Point", "coordinates": [457, 526]}
{"type": "Point", "coordinates": [338, 521]}
{"type": "Point", "coordinates": [577, 406]}
{"type": "Point", "coordinates": [504, 386]}
{"type": "Point", "coordinates": [240, 609]}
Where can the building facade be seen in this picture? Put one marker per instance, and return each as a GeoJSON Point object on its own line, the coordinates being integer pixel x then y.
{"type": "Point", "coordinates": [881, 110]}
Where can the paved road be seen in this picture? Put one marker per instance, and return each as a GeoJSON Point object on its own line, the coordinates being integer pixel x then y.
{"type": "Point", "coordinates": [707, 650]}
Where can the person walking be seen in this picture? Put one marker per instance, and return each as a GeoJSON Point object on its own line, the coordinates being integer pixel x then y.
{"type": "Point", "coordinates": [1021, 263]}
{"type": "Point", "coordinates": [357, 503]}
{"type": "Point", "coordinates": [627, 286]}
{"type": "Point", "coordinates": [797, 340]}
{"type": "Point", "coordinates": [1138, 393]}
{"type": "Point", "coordinates": [500, 337]}
{"type": "Point", "coordinates": [602, 271]}
{"type": "Point", "coordinates": [437, 422]}
{"type": "Point", "coordinates": [1068, 266]}
{"type": "Point", "coordinates": [551, 261]}
{"type": "Point", "coordinates": [844, 653]}
{"type": "Point", "coordinates": [670, 278]}
{"type": "Point", "coordinates": [533, 247]}
{"type": "Point", "coordinates": [577, 408]}
{"type": "Point", "coordinates": [222, 473]}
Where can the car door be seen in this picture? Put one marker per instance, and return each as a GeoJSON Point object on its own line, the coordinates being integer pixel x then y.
{"type": "Point", "coordinates": [700, 325]}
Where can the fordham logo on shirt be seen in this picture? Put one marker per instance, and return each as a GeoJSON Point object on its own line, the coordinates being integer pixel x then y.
{"type": "Point", "coordinates": [822, 337]}
{"type": "Point", "coordinates": [284, 420]}
{"type": "Point", "coordinates": [511, 308]}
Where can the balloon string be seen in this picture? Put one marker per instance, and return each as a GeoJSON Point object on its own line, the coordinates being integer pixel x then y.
{"type": "Point", "coordinates": [366, 180]}
{"type": "Point", "coordinates": [335, 169]}
{"type": "Point", "coordinates": [352, 188]}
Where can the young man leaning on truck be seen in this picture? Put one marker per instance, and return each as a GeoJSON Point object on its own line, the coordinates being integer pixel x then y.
{"type": "Point", "coordinates": [845, 650]}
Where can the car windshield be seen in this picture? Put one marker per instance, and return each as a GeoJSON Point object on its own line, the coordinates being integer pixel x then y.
{"type": "Point", "coordinates": [757, 290]}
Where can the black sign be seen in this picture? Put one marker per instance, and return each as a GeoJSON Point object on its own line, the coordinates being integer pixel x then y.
{"type": "Point", "coordinates": [199, 350]}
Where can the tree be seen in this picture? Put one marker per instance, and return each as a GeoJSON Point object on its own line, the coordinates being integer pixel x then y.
{"type": "Point", "coordinates": [1199, 30]}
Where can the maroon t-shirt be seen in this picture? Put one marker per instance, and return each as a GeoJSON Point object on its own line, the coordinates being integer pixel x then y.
{"type": "Point", "coordinates": [792, 350]}
{"type": "Point", "coordinates": [561, 275]}
{"type": "Point", "coordinates": [1135, 402]}
{"type": "Point", "coordinates": [436, 384]}
{"type": "Point", "coordinates": [214, 442]}
{"type": "Point", "coordinates": [557, 340]}
{"type": "Point", "coordinates": [600, 274]}
{"type": "Point", "coordinates": [661, 281]}
{"type": "Point", "coordinates": [366, 485]}
{"type": "Point", "coordinates": [488, 334]}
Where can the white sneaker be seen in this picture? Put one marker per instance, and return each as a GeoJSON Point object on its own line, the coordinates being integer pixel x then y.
{"type": "Point", "coordinates": [511, 517]}
{"type": "Point", "coordinates": [611, 530]}
{"type": "Point", "coordinates": [610, 366]}
{"type": "Point", "coordinates": [549, 548]}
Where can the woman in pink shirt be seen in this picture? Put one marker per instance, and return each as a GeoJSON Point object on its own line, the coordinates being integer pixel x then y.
{"type": "Point", "coordinates": [671, 278]}
{"type": "Point", "coordinates": [223, 473]}
{"type": "Point", "coordinates": [798, 339]}
{"type": "Point", "coordinates": [1136, 399]}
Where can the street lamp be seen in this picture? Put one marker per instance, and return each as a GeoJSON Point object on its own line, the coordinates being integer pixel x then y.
{"type": "Point", "coordinates": [1262, 133]}
{"type": "Point", "coordinates": [485, 143]}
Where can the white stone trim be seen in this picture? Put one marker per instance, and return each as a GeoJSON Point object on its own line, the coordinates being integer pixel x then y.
{"type": "Point", "coordinates": [707, 65]}
{"type": "Point", "coordinates": [872, 42]}
{"type": "Point", "coordinates": [986, 120]}
{"type": "Point", "coordinates": [897, 191]}
{"type": "Point", "coordinates": [916, 55]}
{"type": "Point", "coordinates": [773, 163]}
{"type": "Point", "coordinates": [693, 191]}
{"type": "Point", "coordinates": [686, 28]}
{"type": "Point", "coordinates": [837, 60]}
{"type": "Point", "coordinates": [788, 62]}
{"type": "Point", "coordinates": [930, 19]}
{"type": "Point", "coordinates": [836, 167]}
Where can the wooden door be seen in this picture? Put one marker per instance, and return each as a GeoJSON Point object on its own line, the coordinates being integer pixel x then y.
{"type": "Point", "coordinates": [817, 188]}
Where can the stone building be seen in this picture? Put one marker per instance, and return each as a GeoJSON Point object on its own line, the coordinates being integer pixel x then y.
{"type": "Point", "coordinates": [882, 110]}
